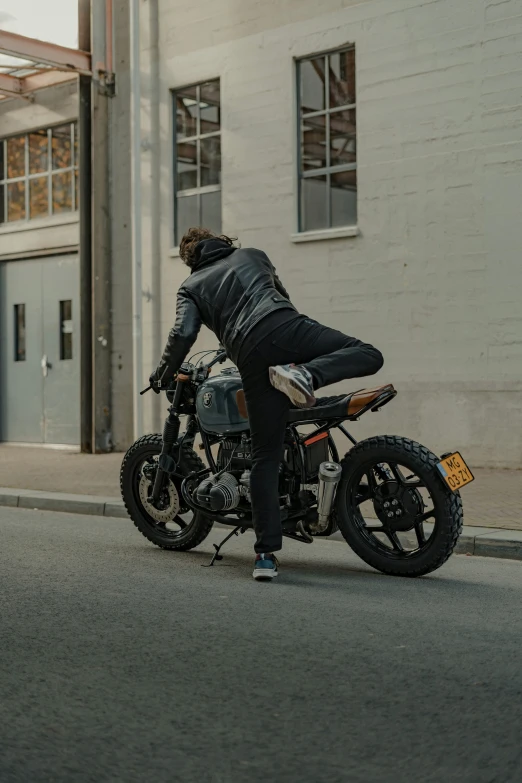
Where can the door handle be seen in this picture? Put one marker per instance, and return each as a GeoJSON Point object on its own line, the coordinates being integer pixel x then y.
{"type": "Point", "coordinates": [45, 365]}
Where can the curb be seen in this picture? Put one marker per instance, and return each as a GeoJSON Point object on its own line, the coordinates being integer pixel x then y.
{"type": "Point", "coordinates": [93, 505]}
{"type": "Point", "coordinates": [480, 541]}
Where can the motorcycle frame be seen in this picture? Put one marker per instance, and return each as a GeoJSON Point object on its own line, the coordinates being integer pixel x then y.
{"type": "Point", "coordinates": [168, 464]}
{"type": "Point", "coordinates": [245, 518]}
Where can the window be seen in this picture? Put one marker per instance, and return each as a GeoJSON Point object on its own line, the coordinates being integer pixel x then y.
{"type": "Point", "coordinates": [66, 330]}
{"type": "Point", "coordinates": [19, 333]}
{"type": "Point", "coordinates": [327, 141]}
{"type": "Point", "coordinates": [197, 167]}
{"type": "Point", "coordinates": [39, 173]}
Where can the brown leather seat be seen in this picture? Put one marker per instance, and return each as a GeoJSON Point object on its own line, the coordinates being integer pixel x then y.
{"type": "Point", "coordinates": [364, 397]}
{"type": "Point", "coordinates": [347, 406]}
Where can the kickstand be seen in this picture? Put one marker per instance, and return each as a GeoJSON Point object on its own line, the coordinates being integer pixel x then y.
{"type": "Point", "coordinates": [217, 547]}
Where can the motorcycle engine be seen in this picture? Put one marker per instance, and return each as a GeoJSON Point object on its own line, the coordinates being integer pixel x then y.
{"type": "Point", "coordinates": [223, 492]}
{"type": "Point", "coordinates": [234, 455]}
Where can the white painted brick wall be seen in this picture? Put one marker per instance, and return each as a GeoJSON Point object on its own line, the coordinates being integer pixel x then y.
{"type": "Point", "coordinates": [434, 279]}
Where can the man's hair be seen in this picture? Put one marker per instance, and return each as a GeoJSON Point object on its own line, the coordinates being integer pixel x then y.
{"type": "Point", "coordinates": [189, 240]}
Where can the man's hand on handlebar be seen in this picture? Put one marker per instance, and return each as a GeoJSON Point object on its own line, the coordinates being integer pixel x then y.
{"type": "Point", "coordinates": [158, 382]}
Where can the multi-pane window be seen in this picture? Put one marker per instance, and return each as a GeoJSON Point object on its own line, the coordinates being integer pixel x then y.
{"type": "Point", "coordinates": [197, 159]}
{"type": "Point", "coordinates": [39, 173]}
{"type": "Point", "coordinates": [327, 136]}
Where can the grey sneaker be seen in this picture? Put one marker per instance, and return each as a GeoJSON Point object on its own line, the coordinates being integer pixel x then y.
{"type": "Point", "coordinates": [295, 382]}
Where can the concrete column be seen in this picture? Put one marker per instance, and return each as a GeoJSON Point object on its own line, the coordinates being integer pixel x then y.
{"type": "Point", "coordinates": [122, 388]}
{"type": "Point", "coordinates": [102, 175]}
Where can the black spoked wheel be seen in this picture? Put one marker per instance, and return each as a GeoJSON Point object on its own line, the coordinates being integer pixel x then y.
{"type": "Point", "coordinates": [171, 525]}
{"type": "Point", "coordinates": [393, 509]}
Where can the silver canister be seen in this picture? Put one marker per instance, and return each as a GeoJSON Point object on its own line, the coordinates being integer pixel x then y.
{"type": "Point", "coordinates": [329, 477]}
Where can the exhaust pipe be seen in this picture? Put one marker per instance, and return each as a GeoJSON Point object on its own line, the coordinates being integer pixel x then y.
{"type": "Point", "coordinates": [329, 477]}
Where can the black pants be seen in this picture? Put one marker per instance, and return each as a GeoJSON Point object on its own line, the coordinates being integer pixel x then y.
{"type": "Point", "coordinates": [330, 356]}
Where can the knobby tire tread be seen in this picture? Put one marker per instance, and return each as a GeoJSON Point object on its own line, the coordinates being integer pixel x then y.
{"type": "Point", "coordinates": [452, 512]}
{"type": "Point", "coordinates": [190, 462]}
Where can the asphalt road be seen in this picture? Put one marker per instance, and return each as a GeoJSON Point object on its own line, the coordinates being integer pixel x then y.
{"type": "Point", "coordinates": [120, 662]}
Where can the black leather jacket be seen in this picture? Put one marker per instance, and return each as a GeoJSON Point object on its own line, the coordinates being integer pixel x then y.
{"type": "Point", "coordinates": [230, 290]}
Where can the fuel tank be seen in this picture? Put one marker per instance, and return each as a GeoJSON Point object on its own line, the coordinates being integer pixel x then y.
{"type": "Point", "coordinates": [217, 404]}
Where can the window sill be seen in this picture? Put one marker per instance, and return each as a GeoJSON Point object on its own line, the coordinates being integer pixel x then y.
{"type": "Point", "coordinates": [174, 252]}
{"type": "Point", "coordinates": [328, 233]}
{"type": "Point", "coordinates": [32, 225]}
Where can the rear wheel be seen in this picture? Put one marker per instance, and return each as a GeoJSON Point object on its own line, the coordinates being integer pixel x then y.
{"type": "Point", "coordinates": [393, 509]}
{"type": "Point", "coordinates": [172, 525]}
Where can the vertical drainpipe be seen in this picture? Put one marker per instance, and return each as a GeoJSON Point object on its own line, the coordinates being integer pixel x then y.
{"type": "Point", "coordinates": [137, 334]}
{"type": "Point", "coordinates": [155, 190]}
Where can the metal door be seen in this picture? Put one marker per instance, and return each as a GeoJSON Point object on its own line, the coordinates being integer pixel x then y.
{"type": "Point", "coordinates": [40, 362]}
{"type": "Point", "coordinates": [61, 337]}
{"type": "Point", "coordinates": [21, 349]}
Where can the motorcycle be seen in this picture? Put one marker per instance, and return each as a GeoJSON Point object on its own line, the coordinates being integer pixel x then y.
{"type": "Point", "coordinates": [397, 504]}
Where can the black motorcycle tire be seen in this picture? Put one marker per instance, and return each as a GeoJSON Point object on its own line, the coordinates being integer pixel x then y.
{"type": "Point", "coordinates": [447, 504]}
{"type": "Point", "coordinates": [201, 525]}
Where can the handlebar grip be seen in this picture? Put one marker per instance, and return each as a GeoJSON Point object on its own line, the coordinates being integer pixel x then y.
{"type": "Point", "coordinates": [146, 390]}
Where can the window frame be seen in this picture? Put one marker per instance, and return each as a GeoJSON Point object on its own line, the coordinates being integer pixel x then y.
{"type": "Point", "coordinates": [26, 178]}
{"type": "Point", "coordinates": [347, 229]}
{"type": "Point", "coordinates": [199, 190]}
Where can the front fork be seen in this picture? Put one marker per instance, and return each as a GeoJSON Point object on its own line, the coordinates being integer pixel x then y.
{"type": "Point", "coordinates": [167, 463]}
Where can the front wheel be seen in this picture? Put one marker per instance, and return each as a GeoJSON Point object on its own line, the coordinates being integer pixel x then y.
{"type": "Point", "coordinates": [172, 525]}
{"type": "Point", "coordinates": [393, 509]}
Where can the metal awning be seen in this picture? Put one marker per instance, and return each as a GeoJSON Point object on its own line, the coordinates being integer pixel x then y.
{"type": "Point", "coordinates": [40, 64]}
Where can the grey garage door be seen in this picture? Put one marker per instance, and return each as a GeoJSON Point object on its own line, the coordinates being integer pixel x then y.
{"type": "Point", "coordinates": [39, 351]}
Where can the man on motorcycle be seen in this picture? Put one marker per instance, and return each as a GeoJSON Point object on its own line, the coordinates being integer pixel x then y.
{"type": "Point", "coordinates": [237, 294]}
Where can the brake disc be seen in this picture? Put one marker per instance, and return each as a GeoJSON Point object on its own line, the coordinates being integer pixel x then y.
{"type": "Point", "coordinates": [169, 500]}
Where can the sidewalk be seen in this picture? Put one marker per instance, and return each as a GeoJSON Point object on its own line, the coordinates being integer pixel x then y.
{"type": "Point", "coordinates": [84, 483]}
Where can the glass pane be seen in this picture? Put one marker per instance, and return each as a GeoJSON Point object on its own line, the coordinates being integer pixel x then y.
{"type": "Point", "coordinates": [16, 157]}
{"type": "Point", "coordinates": [313, 143]}
{"type": "Point", "coordinates": [210, 160]}
{"type": "Point", "coordinates": [186, 112]}
{"type": "Point", "coordinates": [19, 333]}
{"type": "Point", "coordinates": [38, 197]}
{"type": "Point", "coordinates": [1, 159]}
{"type": "Point", "coordinates": [342, 78]}
{"type": "Point", "coordinates": [2, 204]}
{"type": "Point", "coordinates": [76, 189]}
{"type": "Point", "coordinates": [38, 152]}
{"type": "Point", "coordinates": [16, 201]}
{"type": "Point", "coordinates": [76, 151]}
{"type": "Point", "coordinates": [187, 215]}
{"type": "Point", "coordinates": [343, 190]}
{"type": "Point", "coordinates": [62, 192]}
{"type": "Point", "coordinates": [209, 107]}
{"type": "Point", "coordinates": [312, 84]}
{"type": "Point", "coordinates": [342, 138]}
{"type": "Point", "coordinates": [66, 330]}
{"type": "Point", "coordinates": [187, 165]}
{"type": "Point", "coordinates": [314, 197]}
{"type": "Point", "coordinates": [211, 211]}
{"type": "Point", "coordinates": [61, 147]}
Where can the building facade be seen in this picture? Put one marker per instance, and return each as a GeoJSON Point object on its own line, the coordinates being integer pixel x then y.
{"type": "Point", "coordinates": [408, 239]}
{"type": "Point", "coordinates": [373, 150]}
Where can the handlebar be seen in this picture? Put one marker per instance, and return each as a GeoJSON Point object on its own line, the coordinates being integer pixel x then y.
{"type": "Point", "coordinates": [221, 356]}
{"type": "Point", "coordinates": [219, 359]}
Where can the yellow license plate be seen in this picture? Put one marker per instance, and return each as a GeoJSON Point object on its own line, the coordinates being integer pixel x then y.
{"type": "Point", "coordinates": [455, 472]}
